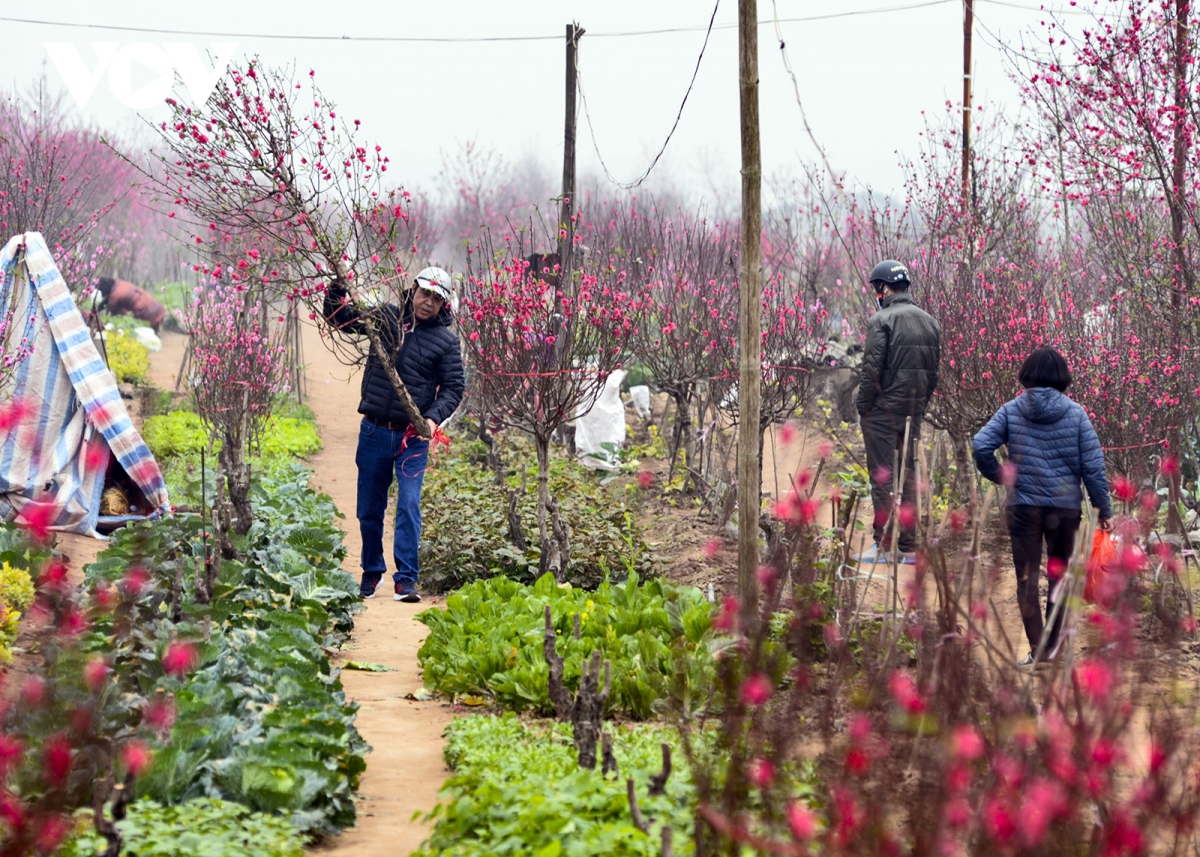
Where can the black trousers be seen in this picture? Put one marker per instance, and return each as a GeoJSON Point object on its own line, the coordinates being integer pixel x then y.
{"type": "Point", "coordinates": [1029, 526]}
{"type": "Point", "coordinates": [883, 435]}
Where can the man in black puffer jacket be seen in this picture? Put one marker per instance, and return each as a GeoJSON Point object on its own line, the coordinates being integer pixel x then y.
{"type": "Point", "coordinates": [429, 361]}
{"type": "Point", "coordinates": [899, 374]}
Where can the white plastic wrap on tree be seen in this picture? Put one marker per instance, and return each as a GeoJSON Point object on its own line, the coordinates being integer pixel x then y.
{"type": "Point", "coordinates": [640, 396]}
{"type": "Point", "coordinates": [601, 431]}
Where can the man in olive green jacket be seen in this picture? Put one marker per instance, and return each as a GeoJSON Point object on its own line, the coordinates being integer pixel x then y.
{"type": "Point", "coordinates": [898, 376]}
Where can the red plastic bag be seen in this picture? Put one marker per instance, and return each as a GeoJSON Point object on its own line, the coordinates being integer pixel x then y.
{"type": "Point", "coordinates": [1104, 578]}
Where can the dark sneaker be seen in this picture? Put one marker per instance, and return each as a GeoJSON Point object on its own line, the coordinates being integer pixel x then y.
{"type": "Point", "coordinates": [406, 591]}
{"type": "Point", "coordinates": [1027, 661]}
{"type": "Point", "coordinates": [369, 584]}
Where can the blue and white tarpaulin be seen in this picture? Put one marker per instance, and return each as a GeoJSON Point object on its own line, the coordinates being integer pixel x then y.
{"type": "Point", "coordinates": [74, 417]}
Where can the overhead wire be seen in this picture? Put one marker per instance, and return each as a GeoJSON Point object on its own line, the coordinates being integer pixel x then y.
{"type": "Point", "coordinates": [461, 39]}
{"type": "Point", "coordinates": [678, 116]}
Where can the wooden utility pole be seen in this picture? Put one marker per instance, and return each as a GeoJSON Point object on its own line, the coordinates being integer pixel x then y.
{"type": "Point", "coordinates": [968, 29]}
{"type": "Point", "coordinates": [749, 472]}
{"type": "Point", "coordinates": [566, 241]}
{"type": "Point", "coordinates": [1182, 284]}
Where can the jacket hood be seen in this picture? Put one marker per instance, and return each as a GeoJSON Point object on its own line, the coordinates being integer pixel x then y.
{"type": "Point", "coordinates": [1043, 404]}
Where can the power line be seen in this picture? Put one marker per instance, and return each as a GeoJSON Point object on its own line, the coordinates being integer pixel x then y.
{"type": "Point", "coordinates": [531, 38]}
{"type": "Point", "coordinates": [671, 133]}
{"type": "Point", "coordinates": [465, 39]}
{"type": "Point", "coordinates": [1067, 11]}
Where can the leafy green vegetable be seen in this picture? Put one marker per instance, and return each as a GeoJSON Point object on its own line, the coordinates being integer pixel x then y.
{"type": "Point", "coordinates": [517, 790]}
{"type": "Point", "coordinates": [182, 433]}
{"type": "Point", "coordinates": [465, 524]}
{"type": "Point", "coordinates": [368, 666]}
{"type": "Point", "coordinates": [263, 720]}
{"type": "Point", "coordinates": [176, 433]}
{"type": "Point", "coordinates": [488, 640]}
{"type": "Point", "coordinates": [289, 436]}
{"type": "Point", "coordinates": [195, 828]}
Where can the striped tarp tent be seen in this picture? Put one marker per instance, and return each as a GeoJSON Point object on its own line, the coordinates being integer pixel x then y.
{"type": "Point", "coordinates": [73, 419]}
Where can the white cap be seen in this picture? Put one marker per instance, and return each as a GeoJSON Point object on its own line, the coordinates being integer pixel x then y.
{"type": "Point", "coordinates": [437, 281]}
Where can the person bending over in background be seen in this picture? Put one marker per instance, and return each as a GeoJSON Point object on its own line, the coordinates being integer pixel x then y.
{"type": "Point", "coordinates": [899, 374]}
{"type": "Point", "coordinates": [429, 361]}
{"type": "Point", "coordinates": [1052, 448]}
{"type": "Point", "coordinates": [120, 297]}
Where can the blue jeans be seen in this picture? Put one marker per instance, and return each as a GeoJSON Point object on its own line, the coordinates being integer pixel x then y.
{"type": "Point", "coordinates": [379, 457]}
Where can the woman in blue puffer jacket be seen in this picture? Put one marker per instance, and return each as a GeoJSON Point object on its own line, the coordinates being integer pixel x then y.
{"type": "Point", "coordinates": [1052, 449]}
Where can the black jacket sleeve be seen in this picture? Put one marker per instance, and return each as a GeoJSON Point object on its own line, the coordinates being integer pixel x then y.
{"type": "Point", "coordinates": [451, 382]}
{"type": "Point", "coordinates": [340, 312]}
{"type": "Point", "coordinates": [874, 362]}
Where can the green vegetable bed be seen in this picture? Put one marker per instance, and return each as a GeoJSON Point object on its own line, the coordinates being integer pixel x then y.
{"type": "Point", "coordinates": [488, 640]}
{"type": "Point", "coordinates": [263, 720]}
{"type": "Point", "coordinates": [517, 790]}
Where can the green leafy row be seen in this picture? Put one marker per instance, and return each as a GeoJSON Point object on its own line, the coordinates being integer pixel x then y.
{"type": "Point", "coordinates": [264, 720]}
{"type": "Point", "coordinates": [465, 533]}
{"type": "Point", "coordinates": [488, 640]}
{"type": "Point", "coordinates": [182, 433]}
{"type": "Point", "coordinates": [518, 790]}
{"type": "Point", "coordinates": [196, 828]}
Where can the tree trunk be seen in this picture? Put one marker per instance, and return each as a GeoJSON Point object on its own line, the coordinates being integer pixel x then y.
{"type": "Point", "coordinates": [552, 531]}
{"type": "Point", "coordinates": [965, 471]}
{"type": "Point", "coordinates": [558, 693]}
{"type": "Point", "coordinates": [233, 467]}
{"type": "Point", "coordinates": [587, 714]}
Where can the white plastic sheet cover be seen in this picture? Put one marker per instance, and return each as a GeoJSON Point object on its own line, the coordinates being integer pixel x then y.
{"type": "Point", "coordinates": [640, 396]}
{"type": "Point", "coordinates": [601, 431]}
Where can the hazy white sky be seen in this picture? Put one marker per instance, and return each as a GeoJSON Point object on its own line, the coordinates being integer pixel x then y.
{"type": "Point", "coordinates": [865, 77]}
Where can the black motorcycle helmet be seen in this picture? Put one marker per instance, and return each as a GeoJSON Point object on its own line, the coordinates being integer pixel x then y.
{"type": "Point", "coordinates": [889, 272]}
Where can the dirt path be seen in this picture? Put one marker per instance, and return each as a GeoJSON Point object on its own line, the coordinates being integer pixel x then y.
{"type": "Point", "coordinates": [405, 768]}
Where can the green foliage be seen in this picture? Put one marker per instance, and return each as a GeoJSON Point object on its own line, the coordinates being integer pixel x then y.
{"type": "Point", "coordinates": [639, 374]}
{"type": "Point", "coordinates": [196, 828]}
{"type": "Point", "coordinates": [128, 359]}
{"type": "Point", "coordinates": [264, 720]}
{"type": "Point", "coordinates": [291, 437]}
{"type": "Point", "coordinates": [17, 550]}
{"type": "Point", "coordinates": [182, 433]}
{"type": "Point", "coordinates": [123, 322]}
{"type": "Point", "coordinates": [517, 790]}
{"type": "Point", "coordinates": [16, 594]}
{"type": "Point", "coordinates": [655, 448]}
{"type": "Point", "coordinates": [488, 640]}
{"type": "Point", "coordinates": [174, 296]}
{"type": "Point", "coordinates": [465, 526]}
{"type": "Point", "coordinates": [18, 556]}
{"type": "Point", "coordinates": [176, 439]}
{"type": "Point", "coordinates": [175, 434]}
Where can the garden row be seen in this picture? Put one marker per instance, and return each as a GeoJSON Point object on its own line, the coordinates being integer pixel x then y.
{"type": "Point", "coordinates": [815, 721]}
{"type": "Point", "coordinates": [208, 717]}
